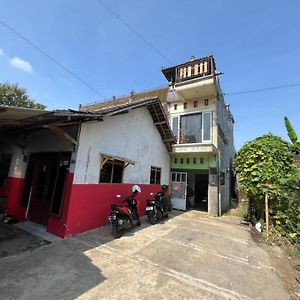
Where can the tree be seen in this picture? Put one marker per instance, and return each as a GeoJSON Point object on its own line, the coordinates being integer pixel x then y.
{"type": "Point", "coordinates": [265, 159]}
{"type": "Point", "coordinates": [13, 95]}
{"type": "Point", "coordinates": [292, 135]}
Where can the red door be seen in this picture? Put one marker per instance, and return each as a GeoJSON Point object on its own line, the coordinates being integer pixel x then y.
{"type": "Point", "coordinates": [43, 179]}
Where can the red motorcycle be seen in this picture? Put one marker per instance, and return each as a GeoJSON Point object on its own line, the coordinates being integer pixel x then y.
{"type": "Point", "coordinates": [124, 217]}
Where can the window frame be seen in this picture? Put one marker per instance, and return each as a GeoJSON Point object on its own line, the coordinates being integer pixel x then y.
{"type": "Point", "coordinates": [179, 115]}
{"type": "Point", "coordinates": [156, 170]}
{"type": "Point", "coordinates": [114, 162]}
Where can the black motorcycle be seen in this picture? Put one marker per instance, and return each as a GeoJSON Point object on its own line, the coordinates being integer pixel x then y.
{"type": "Point", "coordinates": [124, 217]}
{"type": "Point", "coordinates": [157, 208]}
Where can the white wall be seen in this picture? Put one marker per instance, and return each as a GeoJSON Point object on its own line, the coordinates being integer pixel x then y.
{"type": "Point", "coordinates": [132, 136]}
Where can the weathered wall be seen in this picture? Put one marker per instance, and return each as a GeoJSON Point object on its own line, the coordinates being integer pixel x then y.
{"type": "Point", "coordinates": [226, 149]}
{"type": "Point", "coordinates": [132, 136]}
{"type": "Point", "coordinates": [37, 141]}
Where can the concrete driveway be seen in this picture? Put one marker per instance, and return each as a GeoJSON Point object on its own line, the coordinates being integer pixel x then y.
{"type": "Point", "coordinates": [189, 256]}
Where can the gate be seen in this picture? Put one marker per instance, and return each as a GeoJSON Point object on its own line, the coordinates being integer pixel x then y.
{"type": "Point", "coordinates": [178, 189]}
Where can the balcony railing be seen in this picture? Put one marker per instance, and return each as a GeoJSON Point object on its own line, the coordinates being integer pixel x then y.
{"type": "Point", "coordinates": [195, 69]}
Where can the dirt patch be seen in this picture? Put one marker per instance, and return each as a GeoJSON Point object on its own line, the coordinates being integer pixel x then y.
{"type": "Point", "coordinates": [283, 263]}
{"type": "Point", "coordinates": [14, 240]}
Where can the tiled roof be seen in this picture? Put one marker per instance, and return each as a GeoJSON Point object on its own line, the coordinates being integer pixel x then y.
{"type": "Point", "coordinates": [115, 102]}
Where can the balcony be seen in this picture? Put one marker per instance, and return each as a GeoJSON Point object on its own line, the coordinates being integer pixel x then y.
{"type": "Point", "coordinates": [195, 148]}
{"type": "Point", "coordinates": [193, 79]}
{"type": "Point", "coordinates": [200, 87]}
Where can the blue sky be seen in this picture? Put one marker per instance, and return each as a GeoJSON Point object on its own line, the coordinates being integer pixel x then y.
{"type": "Point", "coordinates": [255, 43]}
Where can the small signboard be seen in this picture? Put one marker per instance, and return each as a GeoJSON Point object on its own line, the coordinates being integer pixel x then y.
{"type": "Point", "coordinates": [296, 159]}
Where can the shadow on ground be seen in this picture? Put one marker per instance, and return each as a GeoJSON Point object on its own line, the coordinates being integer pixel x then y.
{"type": "Point", "coordinates": [14, 240]}
{"type": "Point", "coordinates": [60, 270]}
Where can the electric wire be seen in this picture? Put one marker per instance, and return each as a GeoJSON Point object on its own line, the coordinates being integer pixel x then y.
{"type": "Point", "coordinates": [51, 58]}
{"type": "Point", "coordinates": [135, 31]}
{"type": "Point", "coordinates": [263, 89]}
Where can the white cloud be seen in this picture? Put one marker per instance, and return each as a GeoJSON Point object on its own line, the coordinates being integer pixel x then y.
{"type": "Point", "coordinates": [21, 64]}
{"type": "Point", "coordinates": [1, 52]}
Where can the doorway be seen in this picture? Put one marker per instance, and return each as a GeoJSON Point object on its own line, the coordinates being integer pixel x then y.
{"type": "Point", "coordinates": [201, 192]}
{"type": "Point", "coordinates": [45, 183]}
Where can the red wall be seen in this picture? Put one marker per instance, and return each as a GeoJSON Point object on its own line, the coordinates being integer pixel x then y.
{"type": "Point", "coordinates": [89, 204]}
{"type": "Point", "coordinates": [57, 225]}
{"type": "Point", "coordinates": [14, 190]}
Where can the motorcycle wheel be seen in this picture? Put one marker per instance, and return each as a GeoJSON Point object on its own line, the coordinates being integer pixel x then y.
{"type": "Point", "coordinates": [117, 231]}
{"type": "Point", "coordinates": [152, 217]}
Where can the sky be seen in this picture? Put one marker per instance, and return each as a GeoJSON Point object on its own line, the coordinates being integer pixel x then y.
{"type": "Point", "coordinates": [256, 44]}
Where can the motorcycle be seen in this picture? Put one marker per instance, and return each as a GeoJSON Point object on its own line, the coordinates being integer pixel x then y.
{"type": "Point", "coordinates": [125, 217]}
{"type": "Point", "coordinates": [157, 208]}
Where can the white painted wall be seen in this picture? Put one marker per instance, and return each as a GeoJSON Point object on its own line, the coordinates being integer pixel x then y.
{"type": "Point", "coordinates": [132, 136]}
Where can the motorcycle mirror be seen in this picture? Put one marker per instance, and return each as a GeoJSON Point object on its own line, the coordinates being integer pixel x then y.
{"type": "Point", "coordinates": [136, 188]}
{"type": "Point", "coordinates": [118, 196]}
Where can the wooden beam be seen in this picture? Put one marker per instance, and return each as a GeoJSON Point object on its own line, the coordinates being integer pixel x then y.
{"type": "Point", "coordinates": [62, 134]}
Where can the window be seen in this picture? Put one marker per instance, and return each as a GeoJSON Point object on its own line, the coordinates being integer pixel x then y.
{"type": "Point", "coordinates": [194, 160]}
{"type": "Point", "coordinates": [196, 103]}
{"type": "Point", "coordinates": [181, 160]}
{"type": "Point", "coordinates": [206, 126]}
{"type": "Point", "coordinates": [187, 160]}
{"type": "Point", "coordinates": [175, 160]}
{"type": "Point", "coordinates": [4, 168]}
{"type": "Point", "coordinates": [111, 170]}
{"type": "Point", "coordinates": [193, 128]}
{"type": "Point", "coordinates": [190, 128]}
{"type": "Point", "coordinates": [201, 160]}
{"type": "Point", "coordinates": [155, 175]}
{"type": "Point", "coordinates": [185, 105]}
{"type": "Point", "coordinates": [175, 126]}
{"type": "Point", "coordinates": [175, 106]}
{"type": "Point", "coordinates": [206, 102]}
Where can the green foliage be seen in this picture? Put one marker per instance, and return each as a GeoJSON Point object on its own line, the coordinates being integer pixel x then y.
{"type": "Point", "coordinates": [292, 135]}
{"type": "Point", "coordinates": [286, 211]}
{"type": "Point", "coordinates": [266, 159]}
{"type": "Point", "coordinates": [13, 95]}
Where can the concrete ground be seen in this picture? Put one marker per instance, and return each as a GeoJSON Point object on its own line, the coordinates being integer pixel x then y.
{"type": "Point", "coordinates": [189, 256]}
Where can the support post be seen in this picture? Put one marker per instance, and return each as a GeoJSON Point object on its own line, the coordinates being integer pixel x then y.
{"type": "Point", "coordinates": [267, 214]}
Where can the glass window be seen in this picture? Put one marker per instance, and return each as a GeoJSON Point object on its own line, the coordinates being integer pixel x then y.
{"type": "Point", "coordinates": [111, 170]}
{"type": "Point", "coordinates": [175, 106]}
{"type": "Point", "coordinates": [206, 126]}
{"type": "Point", "coordinates": [196, 103]}
{"type": "Point", "coordinates": [175, 126]}
{"type": "Point", "coordinates": [173, 176]}
{"type": "Point", "coordinates": [155, 175]}
{"type": "Point", "coordinates": [183, 177]}
{"type": "Point", "coordinates": [185, 105]}
{"type": "Point", "coordinates": [190, 131]}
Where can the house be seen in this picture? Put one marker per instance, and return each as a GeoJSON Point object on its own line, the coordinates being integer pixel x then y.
{"type": "Point", "coordinates": [63, 169]}
{"type": "Point", "coordinates": [201, 160]}
{"type": "Point", "coordinates": [202, 157]}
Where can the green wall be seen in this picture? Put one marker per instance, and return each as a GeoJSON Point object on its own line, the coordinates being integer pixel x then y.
{"type": "Point", "coordinates": [190, 161]}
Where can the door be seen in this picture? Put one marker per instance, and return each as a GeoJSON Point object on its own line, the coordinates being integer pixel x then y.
{"type": "Point", "coordinates": [42, 184]}
{"type": "Point", "coordinates": [201, 191]}
{"type": "Point", "coordinates": [45, 184]}
{"type": "Point", "coordinates": [178, 189]}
